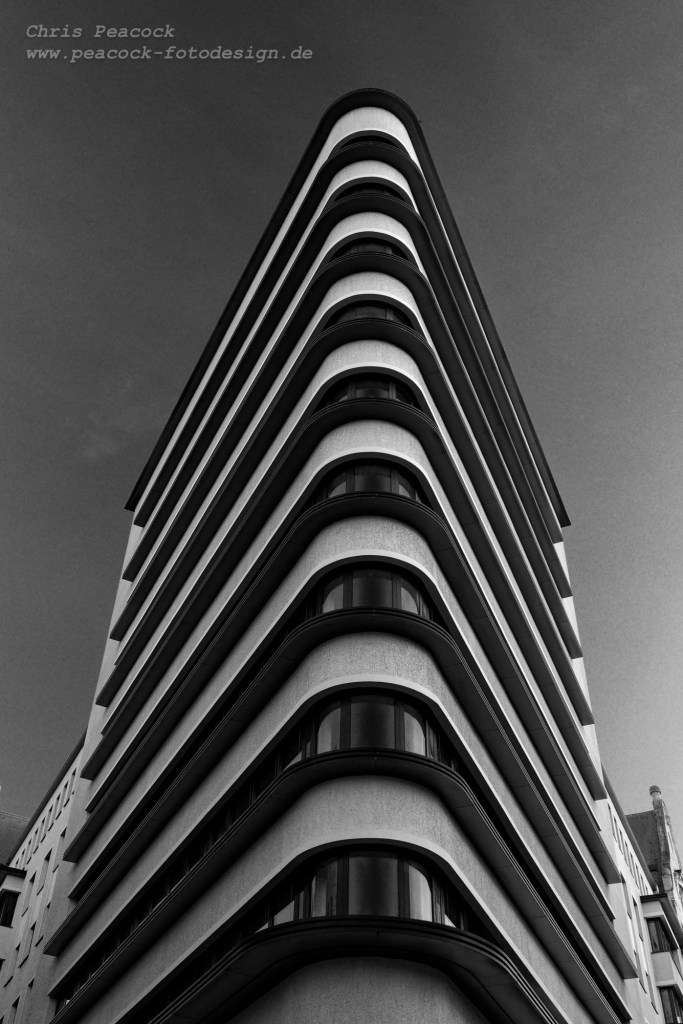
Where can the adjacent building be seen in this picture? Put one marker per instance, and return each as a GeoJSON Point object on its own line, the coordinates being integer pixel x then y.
{"type": "Point", "coordinates": [341, 763]}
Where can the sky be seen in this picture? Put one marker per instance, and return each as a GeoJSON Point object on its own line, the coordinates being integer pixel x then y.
{"type": "Point", "coordinates": [135, 192]}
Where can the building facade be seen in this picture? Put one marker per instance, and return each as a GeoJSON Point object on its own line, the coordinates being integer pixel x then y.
{"type": "Point", "coordinates": [341, 763]}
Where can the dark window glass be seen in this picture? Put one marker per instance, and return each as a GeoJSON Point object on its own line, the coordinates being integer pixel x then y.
{"type": "Point", "coordinates": [372, 387]}
{"type": "Point", "coordinates": [369, 310]}
{"type": "Point", "coordinates": [363, 188]}
{"type": "Point", "coordinates": [368, 386]}
{"type": "Point", "coordinates": [380, 720]}
{"type": "Point", "coordinates": [369, 138]}
{"type": "Point", "coordinates": [671, 1004]}
{"type": "Point", "coordinates": [369, 587]}
{"type": "Point", "coordinates": [372, 588]}
{"type": "Point", "coordinates": [337, 485]}
{"type": "Point", "coordinates": [411, 598]}
{"type": "Point", "coordinates": [361, 245]}
{"type": "Point", "coordinates": [376, 477]}
{"type": "Point", "coordinates": [8, 902]}
{"type": "Point", "coordinates": [658, 937]}
{"type": "Point", "coordinates": [368, 477]}
{"type": "Point", "coordinates": [324, 888]}
{"type": "Point", "coordinates": [329, 730]}
{"type": "Point", "coordinates": [373, 885]}
{"type": "Point", "coordinates": [419, 893]}
{"type": "Point", "coordinates": [333, 595]}
{"type": "Point", "coordinates": [414, 731]}
{"type": "Point", "coordinates": [373, 722]}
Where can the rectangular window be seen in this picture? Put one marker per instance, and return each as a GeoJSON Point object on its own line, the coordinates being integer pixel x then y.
{"type": "Point", "coordinates": [8, 902]}
{"type": "Point", "coordinates": [60, 850]}
{"type": "Point", "coordinates": [13, 963]}
{"type": "Point", "coordinates": [43, 870]}
{"type": "Point", "coordinates": [29, 941]}
{"type": "Point", "coordinates": [29, 893]}
{"type": "Point", "coordinates": [636, 915]}
{"type": "Point", "coordinates": [627, 898]}
{"type": "Point", "coordinates": [671, 1004]}
{"type": "Point", "coordinates": [659, 940]}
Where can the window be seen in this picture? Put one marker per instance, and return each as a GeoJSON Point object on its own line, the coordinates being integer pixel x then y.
{"type": "Point", "coordinates": [659, 940]}
{"type": "Point", "coordinates": [29, 941]}
{"type": "Point", "coordinates": [369, 310]}
{"type": "Point", "coordinates": [361, 245]}
{"type": "Point", "coordinates": [368, 188]}
{"type": "Point", "coordinates": [365, 883]}
{"type": "Point", "coordinates": [357, 882]}
{"type": "Point", "coordinates": [8, 902]}
{"type": "Point", "coordinates": [367, 719]}
{"type": "Point", "coordinates": [360, 139]}
{"type": "Point", "coordinates": [368, 385]}
{"type": "Point", "coordinates": [370, 477]}
{"type": "Point", "coordinates": [28, 894]}
{"type": "Point", "coordinates": [672, 1006]}
{"type": "Point", "coordinates": [43, 870]}
{"type": "Point", "coordinates": [13, 1012]}
{"type": "Point", "coordinates": [13, 964]}
{"type": "Point", "coordinates": [369, 586]}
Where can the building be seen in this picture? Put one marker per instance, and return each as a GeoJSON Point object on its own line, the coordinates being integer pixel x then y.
{"type": "Point", "coordinates": [341, 763]}
{"type": "Point", "coordinates": [28, 910]}
{"type": "Point", "coordinates": [655, 837]}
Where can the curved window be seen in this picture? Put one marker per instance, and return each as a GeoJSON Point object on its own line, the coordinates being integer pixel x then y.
{"type": "Point", "coordinates": [369, 311]}
{"type": "Point", "coordinates": [372, 477]}
{"type": "Point", "coordinates": [367, 188]}
{"type": "Point", "coordinates": [387, 882]}
{"type": "Point", "coordinates": [362, 719]}
{"type": "Point", "coordinates": [381, 882]}
{"type": "Point", "coordinates": [373, 386]}
{"type": "Point", "coordinates": [360, 139]}
{"type": "Point", "coordinates": [360, 245]}
{"type": "Point", "coordinates": [369, 586]}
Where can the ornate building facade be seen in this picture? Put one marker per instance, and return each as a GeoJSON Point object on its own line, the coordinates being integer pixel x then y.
{"type": "Point", "coordinates": [341, 763]}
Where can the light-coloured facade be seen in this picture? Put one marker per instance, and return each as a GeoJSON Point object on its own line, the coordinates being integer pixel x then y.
{"type": "Point", "coordinates": [28, 911]}
{"type": "Point", "coordinates": [341, 764]}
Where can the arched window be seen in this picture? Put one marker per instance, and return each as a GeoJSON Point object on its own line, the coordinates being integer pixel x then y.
{"type": "Point", "coordinates": [368, 311]}
{"type": "Point", "coordinates": [370, 477]}
{"type": "Point", "coordinates": [366, 882]}
{"type": "Point", "coordinates": [369, 586]}
{"type": "Point", "coordinates": [361, 245]}
{"type": "Point", "coordinates": [352, 883]}
{"type": "Point", "coordinates": [367, 188]}
{"type": "Point", "coordinates": [369, 385]}
{"type": "Point", "coordinates": [361, 719]}
{"type": "Point", "coordinates": [360, 139]}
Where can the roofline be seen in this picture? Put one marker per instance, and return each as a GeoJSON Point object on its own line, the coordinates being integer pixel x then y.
{"type": "Point", "coordinates": [397, 106]}
{"type": "Point", "coordinates": [50, 790]}
{"type": "Point", "coordinates": [627, 829]}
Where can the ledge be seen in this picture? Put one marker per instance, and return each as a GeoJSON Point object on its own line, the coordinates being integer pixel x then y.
{"type": "Point", "coordinates": [444, 222]}
{"type": "Point", "coordinates": [507, 855]}
{"type": "Point", "coordinates": [503, 989]}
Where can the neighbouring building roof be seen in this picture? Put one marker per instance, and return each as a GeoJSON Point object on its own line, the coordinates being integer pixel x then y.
{"type": "Point", "coordinates": [12, 827]}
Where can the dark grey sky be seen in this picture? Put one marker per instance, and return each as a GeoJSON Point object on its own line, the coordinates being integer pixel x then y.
{"type": "Point", "coordinates": [134, 194]}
